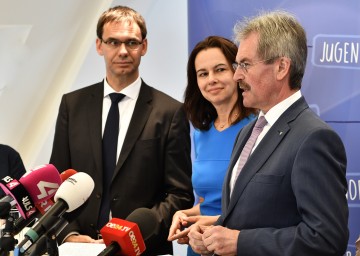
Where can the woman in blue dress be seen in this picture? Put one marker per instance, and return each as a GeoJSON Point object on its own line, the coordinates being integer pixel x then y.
{"type": "Point", "coordinates": [213, 103]}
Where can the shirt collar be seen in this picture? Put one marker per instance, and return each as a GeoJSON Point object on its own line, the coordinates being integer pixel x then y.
{"type": "Point", "coordinates": [132, 90]}
{"type": "Point", "coordinates": [275, 112]}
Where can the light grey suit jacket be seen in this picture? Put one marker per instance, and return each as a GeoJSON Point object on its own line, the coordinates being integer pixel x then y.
{"type": "Point", "coordinates": [289, 198]}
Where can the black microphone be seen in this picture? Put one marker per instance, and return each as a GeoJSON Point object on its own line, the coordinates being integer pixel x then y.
{"type": "Point", "coordinates": [71, 194]}
{"type": "Point", "coordinates": [45, 242]}
{"type": "Point", "coordinates": [6, 203]}
{"type": "Point", "coordinates": [124, 237]}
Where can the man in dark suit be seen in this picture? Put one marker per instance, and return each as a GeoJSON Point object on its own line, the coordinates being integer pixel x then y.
{"type": "Point", "coordinates": [153, 167]}
{"type": "Point", "coordinates": [289, 198]}
{"type": "Point", "coordinates": [10, 164]}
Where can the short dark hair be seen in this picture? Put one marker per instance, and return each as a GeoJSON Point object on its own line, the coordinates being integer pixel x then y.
{"type": "Point", "coordinates": [120, 13]}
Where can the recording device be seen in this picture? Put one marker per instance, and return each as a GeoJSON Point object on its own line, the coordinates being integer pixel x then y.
{"type": "Point", "coordinates": [72, 193]}
{"type": "Point", "coordinates": [33, 187]}
{"type": "Point", "coordinates": [126, 237]}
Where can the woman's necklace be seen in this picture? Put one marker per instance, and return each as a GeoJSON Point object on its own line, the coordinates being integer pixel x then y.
{"type": "Point", "coordinates": [226, 124]}
{"type": "Point", "coordinates": [221, 126]}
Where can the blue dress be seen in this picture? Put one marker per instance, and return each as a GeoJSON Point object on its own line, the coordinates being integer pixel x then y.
{"type": "Point", "coordinates": [212, 151]}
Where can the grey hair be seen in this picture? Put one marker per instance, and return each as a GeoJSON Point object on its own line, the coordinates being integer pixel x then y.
{"type": "Point", "coordinates": [280, 35]}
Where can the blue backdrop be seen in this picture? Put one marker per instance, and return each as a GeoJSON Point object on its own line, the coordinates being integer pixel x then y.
{"type": "Point", "coordinates": [332, 79]}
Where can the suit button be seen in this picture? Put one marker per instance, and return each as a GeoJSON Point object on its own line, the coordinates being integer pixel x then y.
{"type": "Point", "coordinates": [98, 196]}
{"type": "Point", "coordinates": [91, 225]}
{"type": "Point", "coordinates": [115, 198]}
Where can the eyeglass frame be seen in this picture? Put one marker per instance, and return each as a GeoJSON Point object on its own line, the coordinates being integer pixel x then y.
{"type": "Point", "coordinates": [127, 44]}
{"type": "Point", "coordinates": [245, 66]}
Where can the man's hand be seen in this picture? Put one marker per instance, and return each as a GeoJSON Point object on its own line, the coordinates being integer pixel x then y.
{"type": "Point", "coordinates": [221, 240]}
{"type": "Point", "coordinates": [196, 239]}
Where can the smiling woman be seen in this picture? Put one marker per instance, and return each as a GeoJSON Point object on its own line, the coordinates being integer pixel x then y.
{"type": "Point", "coordinates": [213, 103]}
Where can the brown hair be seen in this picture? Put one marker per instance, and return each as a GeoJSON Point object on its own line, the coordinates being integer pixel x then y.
{"type": "Point", "coordinates": [120, 14]}
{"type": "Point", "coordinates": [200, 111]}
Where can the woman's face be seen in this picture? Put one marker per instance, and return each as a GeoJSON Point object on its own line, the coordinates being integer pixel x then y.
{"type": "Point", "coordinates": [215, 77]}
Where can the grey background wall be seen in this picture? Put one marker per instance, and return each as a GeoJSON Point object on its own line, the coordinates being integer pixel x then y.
{"type": "Point", "coordinates": [47, 48]}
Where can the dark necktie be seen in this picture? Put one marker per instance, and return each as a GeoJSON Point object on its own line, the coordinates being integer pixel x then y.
{"type": "Point", "coordinates": [109, 149]}
{"type": "Point", "coordinates": [245, 153]}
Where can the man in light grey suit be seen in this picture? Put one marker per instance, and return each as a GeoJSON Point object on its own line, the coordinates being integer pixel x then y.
{"type": "Point", "coordinates": [290, 196]}
{"type": "Point", "coordinates": [153, 166]}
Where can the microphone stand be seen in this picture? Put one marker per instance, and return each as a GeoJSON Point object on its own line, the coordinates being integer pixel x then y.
{"type": "Point", "coordinates": [7, 240]}
{"type": "Point", "coordinates": [46, 244]}
{"type": "Point", "coordinates": [51, 243]}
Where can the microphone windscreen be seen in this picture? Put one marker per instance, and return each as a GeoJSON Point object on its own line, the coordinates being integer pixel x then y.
{"type": "Point", "coordinates": [146, 220]}
{"type": "Point", "coordinates": [123, 236]}
{"type": "Point", "coordinates": [75, 190]}
{"type": "Point", "coordinates": [66, 174]}
{"type": "Point", "coordinates": [41, 182]}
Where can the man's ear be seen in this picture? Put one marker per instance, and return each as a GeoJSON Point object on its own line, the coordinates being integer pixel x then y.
{"type": "Point", "coordinates": [283, 67]}
{"type": "Point", "coordinates": [144, 47]}
{"type": "Point", "coordinates": [99, 47]}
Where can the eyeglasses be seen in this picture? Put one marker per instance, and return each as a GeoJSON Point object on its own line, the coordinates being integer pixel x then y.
{"type": "Point", "coordinates": [245, 65]}
{"type": "Point", "coordinates": [129, 44]}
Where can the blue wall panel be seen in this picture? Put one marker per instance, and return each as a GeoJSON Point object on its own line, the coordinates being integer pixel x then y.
{"type": "Point", "coordinates": [332, 80]}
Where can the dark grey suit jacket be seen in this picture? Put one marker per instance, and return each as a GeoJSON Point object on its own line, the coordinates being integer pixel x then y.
{"type": "Point", "coordinates": [289, 198]}
{"type": "Point", "coordinates": [10, 164]}
{"type": "Point", "coordinates": [154, 166]}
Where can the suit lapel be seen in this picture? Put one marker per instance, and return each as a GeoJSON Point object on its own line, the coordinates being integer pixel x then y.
{"type": "Point", "coordinates": [240, 143]}
{"type": "Point", "coordinates": [94, 117]}
{"type": "Point", "coordinates": [264, 150]}
{"type": "Point", "coordinates": [139, 118]}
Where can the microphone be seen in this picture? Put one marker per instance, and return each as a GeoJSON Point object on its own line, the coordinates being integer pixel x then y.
{"type": "Point", "coordinates": [46, 204]}
{"type": "Point", "coordinates": [123, 237]}
{"type": "Point", "coordinates": [48, 240]}
{"type": "Point", "coordinates": [66, 174]}
{"type": "Point", "coordinates": [6, 203]}
{"type": "Point", "coordinates": [42, 207]}
{"type": "Point", "coordinates": [72, 193]}
{"type": "Point", "coordinates": [33, 187]}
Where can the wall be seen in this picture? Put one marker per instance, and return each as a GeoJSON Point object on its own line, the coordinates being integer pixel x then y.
{"type": "Point", "coordinates": [47, 48]}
